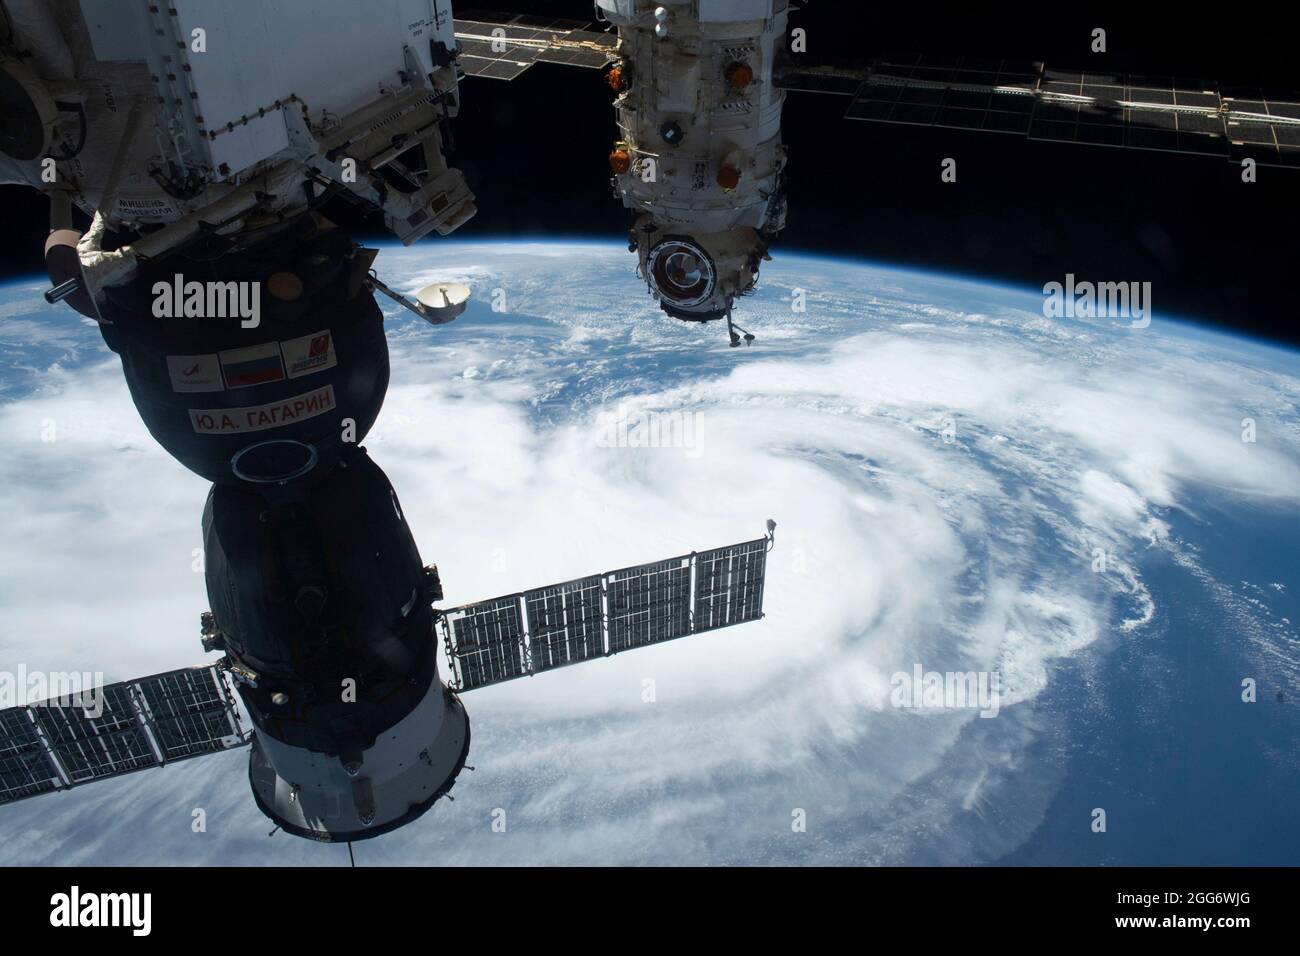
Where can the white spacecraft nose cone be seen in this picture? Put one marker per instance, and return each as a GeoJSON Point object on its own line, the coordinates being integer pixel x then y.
{"type": "Point", "coordinates": [443, 300]}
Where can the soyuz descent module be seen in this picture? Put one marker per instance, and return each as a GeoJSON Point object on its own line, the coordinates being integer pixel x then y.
{"type": "Point", "coordinates": [201, 145]}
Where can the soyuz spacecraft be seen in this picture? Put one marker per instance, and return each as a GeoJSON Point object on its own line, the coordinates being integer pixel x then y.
{"type": "Point", "coordinates": [201, 146]}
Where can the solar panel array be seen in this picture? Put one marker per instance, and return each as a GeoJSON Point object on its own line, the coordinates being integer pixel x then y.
{"type": "Point", "coordinates": [1170, 114]}
{"type": "Point", "coordinates": [502, 46]}
{"type": "Point", "coordinates": [599, 615]}
{"type": "Point", "coordinates": [119, 728]}
{"type": "Point", "coordinates": [729, 585]}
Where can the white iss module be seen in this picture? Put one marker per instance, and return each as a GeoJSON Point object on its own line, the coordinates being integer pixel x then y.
{"type": "Point", "coordinates": [699, 157]}
{"type": "Point", "coordinates": [204, 117]}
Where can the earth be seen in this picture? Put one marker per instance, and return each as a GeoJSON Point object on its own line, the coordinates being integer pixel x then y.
{"type": "Point", "coordinates": [1100, 519]}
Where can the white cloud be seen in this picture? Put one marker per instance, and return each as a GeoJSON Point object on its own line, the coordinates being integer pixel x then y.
{"type": "Point", "coordinates": [894, 547]}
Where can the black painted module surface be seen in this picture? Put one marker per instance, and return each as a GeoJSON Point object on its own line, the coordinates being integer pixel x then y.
{"type": "Point", "coordinates": [256, 402]}
{"type": "Point", "coordinates": [315, 592]}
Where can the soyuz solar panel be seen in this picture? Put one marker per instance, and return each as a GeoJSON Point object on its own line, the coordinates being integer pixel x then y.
{"type": "Point", "coordinates": [115, 729]}
{"type": "Point", "coordinates": [25, 770]}
{"type": "Point", "coordinates": [649, 604]}
{"type": "Point", "coordinates": [186, 711]}
{"type": "Point", "coordinates": [729, 585]}
{"type": "Point", "coordinates": [488, 638]}
{"type": "Point", "coordinates": [90, 748]}
{"type": "Point", "coordinates": [602, 614]}
{"type": "Point", "coordinates": [566, 623]}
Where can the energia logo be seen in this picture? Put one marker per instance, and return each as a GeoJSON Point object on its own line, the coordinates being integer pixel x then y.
{"type": "Point", "coordinates": [75, 909]}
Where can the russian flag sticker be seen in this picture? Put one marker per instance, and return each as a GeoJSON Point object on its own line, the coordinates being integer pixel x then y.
{"type": "Point", "coordinates": [255, 365]}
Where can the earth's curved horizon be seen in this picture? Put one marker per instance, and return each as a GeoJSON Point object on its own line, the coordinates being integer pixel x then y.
{"type": "Point", "coordinates": [1105, 517]}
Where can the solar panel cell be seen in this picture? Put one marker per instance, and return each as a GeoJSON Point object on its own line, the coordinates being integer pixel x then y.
{"type": "Point", "coordinates": [488, 642]}
{"type": "Point", "coordinates": [649, 603]}
{"type": "Point", "coordinates": [729, 585]}
{"type": "Point", "coordinates": [566, 623]}
{"type": "Point", "coordinates": [25, 767]}
{"type": "Point", "coordinates": [186, 712]}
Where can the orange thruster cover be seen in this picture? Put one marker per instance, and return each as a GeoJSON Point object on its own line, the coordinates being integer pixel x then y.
{"type": "Point", "coordinates": [620, 160]}
{"type": "Point", "coordinates": [728, 177]}
{"type": "Point", "coordinates": [740, 75]}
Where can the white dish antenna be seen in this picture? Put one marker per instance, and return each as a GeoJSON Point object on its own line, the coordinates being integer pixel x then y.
{"type": "Point", "coordinates": [437, 304]}
{"type": "Point", "coordinates": [443, 301]}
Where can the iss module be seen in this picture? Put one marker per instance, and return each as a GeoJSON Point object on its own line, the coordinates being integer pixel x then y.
{"type": "Point", "coordinates": [185, 123]}
{"type": "Point", "coordinates": [699, 158]}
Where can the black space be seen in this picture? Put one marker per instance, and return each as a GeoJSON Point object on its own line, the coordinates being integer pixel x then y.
{"type": "Point", "coordinates": [1214, 248]}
